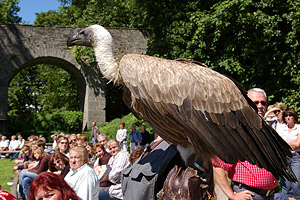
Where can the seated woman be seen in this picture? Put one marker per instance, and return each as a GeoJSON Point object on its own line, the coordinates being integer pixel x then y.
{"type": "Point", "coordinates": [59, 164]}
{"type": "Point", "coordinates": [27, 176]}
{"type": "Point", "coordinates": [101, 154]}
{"type": "Point", "coordinates": [48, 185]}
{"type": "Point", "coordinates": [63, 145]}
{"type": "Point", "coordinates": [118, 162]}
{"type": "Point", "coordinates": [92, 157]}
{"type": "Point", "coordinates": [24, 157]}
{"type": "Point", "coordinates": [100, 164]}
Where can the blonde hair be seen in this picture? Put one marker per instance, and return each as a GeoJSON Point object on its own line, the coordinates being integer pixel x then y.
{"type": "Point", "coordinates": [59, 140]}
{"type": "Point", "coordinates": [40, 151]}
{"type": "Point", "coordinates": [24, 148]}
{"type": "Point", "coordinates": [112, 141]}
{"type": "Point", "coordinates": [81, 137]}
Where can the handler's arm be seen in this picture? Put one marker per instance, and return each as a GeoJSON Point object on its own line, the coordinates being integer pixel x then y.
{"type": "Point", "coordinates": [221, 179]}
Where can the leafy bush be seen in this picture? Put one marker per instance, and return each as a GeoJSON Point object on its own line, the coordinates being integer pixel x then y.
{"type": "Point", "coordinates": [33, 123]}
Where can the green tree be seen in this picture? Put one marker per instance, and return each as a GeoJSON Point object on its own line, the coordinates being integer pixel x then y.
{"type": "Point", "coordinates": [8, 12]}
{"type": "Point", "coordinates": [254, 41]}
{"type": "Point", "coordinates": [42, 88]}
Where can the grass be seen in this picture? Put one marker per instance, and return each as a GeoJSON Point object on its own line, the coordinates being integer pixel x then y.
{"type": "Point", "coordinates": [6, 173]}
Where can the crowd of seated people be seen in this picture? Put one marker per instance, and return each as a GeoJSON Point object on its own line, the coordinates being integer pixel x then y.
{"type": "Point", "coordinates": [68, 154]}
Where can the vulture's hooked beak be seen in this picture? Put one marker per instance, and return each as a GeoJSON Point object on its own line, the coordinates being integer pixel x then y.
{"type": "Point", "coordinates": [72, 40]}
{"type": "Point", "coordinates": [81, 39]}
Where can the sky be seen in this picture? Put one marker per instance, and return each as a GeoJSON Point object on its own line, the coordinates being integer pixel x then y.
{"type": "Point", "coordinates": [28, 8]}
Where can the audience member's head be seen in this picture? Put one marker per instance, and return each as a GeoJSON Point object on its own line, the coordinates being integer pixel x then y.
{"type": "Point", "coordinates": [32, 138]}
{"type": "Point", "coordinates": [133, 127]}
{"type": "Point", "coordinates": [78, 157]}
{"type": "Point", "coordinates": [3, 138]}
{"type": "Point", "coordinates": [47, 185]}
{"type": "Point", "coordinates": [73, 140]}
{"type": "Point", "coordinates": [102, 139]}
{"type": "Point", "coordinates": [94, 123]}
{"type": "Point", "coordinates": [41, 143]}
{"type": "Point", "coordinates": [99, 150]}
{"type": "Point", "coordinates": [61, 134]}
{"type": "Point", "coordinates": [54, 137]}
{"type": "Point", "coordinates": [62, 145]}
{"type": "Point", "coordinates": [143, 128]}
{"type": "Point", "coordinates": [37, 154]}
{"type": "Point", "coordinates": [274, 111]}
{"type": "Point", "coordinates": [122, 125]}
{"type": "Point", "coordinates": [58, 162]}
{"type": "Point", "coordinates": [114, 147]}
{"type": "Point", "coordinates": [33, 145]}
{"type": "Point", "coordinates": [259, 97]}
{"type": "Point", "coordinates": [135, 154]}
{"type": "Point", "coordinates": [81, 139]}
{"type": "Point", "coordinates": [289, 112]}
{"type": "Point", "coordinates": [25, 150]}
{"type": "Point", "coordinates": [89, 148]}
{"type": "Point", "coordinates": [13, 137]}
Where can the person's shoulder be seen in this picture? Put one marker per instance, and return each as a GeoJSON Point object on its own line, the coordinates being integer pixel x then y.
{"type": "Point", "coordinates": [297, 125]}
{"type": "Point", "coordinates": [123, 153]}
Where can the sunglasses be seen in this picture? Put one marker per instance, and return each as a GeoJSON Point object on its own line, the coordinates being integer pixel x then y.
{"type": "Point", "coordinates": [289, 115]}
{"type": "Point", "coordinates": [264, 103]}
{"type": "Point", "coordinates": [277, 111]}
{"type": "Point", "coordinates": [63, 142]}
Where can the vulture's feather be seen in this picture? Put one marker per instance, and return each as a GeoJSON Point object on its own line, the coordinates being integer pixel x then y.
{"type": "Point", "coordinates": [187, 104]}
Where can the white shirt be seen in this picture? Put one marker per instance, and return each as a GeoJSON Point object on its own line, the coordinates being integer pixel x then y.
{"type": "Point", "coordinates": [283, 131]}
{"type": "Point", "coordinates": [4, 143]}
{"type": "Point", "coordinates": [84, 181]}
{"type": "Point", "coordinates": [13, 144]}
{"type": "Point", "coordinates": [121, 135]}
{"type": "Point", "coordinates": [20, 144]}
{"type": "Point", "coordinates": [54, 144]}
{"type": "Point", "coordinates": [117, 164]}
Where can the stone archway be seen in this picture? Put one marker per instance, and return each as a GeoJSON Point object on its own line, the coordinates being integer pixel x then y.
{"type": "Point", "coordinates": [24, 45]}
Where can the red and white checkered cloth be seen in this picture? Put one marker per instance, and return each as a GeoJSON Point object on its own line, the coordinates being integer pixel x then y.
{"type": "Point", "coordinates": [248, 174]}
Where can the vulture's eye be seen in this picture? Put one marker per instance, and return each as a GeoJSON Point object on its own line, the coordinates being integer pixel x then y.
{"type": "Point", "coordinates": [82, 33]}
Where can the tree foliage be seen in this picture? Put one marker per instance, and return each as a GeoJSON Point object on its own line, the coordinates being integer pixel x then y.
{"type": "Point", "coordinates": [8, 12]}
{"type": "Point", "coordinates": [42, 88]}
{"type": "Point", "coordinates": [254, 41]}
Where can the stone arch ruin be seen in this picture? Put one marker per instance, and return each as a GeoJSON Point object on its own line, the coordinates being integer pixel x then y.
{"type": "Point", "coordinates": [25, 45]}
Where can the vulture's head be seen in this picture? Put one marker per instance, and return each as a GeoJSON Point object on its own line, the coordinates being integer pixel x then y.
{"type": "Point", "coordinates": [91, 36]}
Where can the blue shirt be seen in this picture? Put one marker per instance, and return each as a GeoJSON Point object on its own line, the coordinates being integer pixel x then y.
{"type": "Point", "coordinates": [135, 136]}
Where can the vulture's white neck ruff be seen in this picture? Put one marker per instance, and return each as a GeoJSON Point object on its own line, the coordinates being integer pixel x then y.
{"type": "Point", "coordinates": [103, 47]}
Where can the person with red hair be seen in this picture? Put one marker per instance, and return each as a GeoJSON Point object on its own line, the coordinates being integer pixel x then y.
{"type": "Point", "coordinates": [51, 186]}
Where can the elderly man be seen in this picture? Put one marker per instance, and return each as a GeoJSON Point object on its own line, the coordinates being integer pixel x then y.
{"type": "Point", "coordinates": [247, 181]}
{"type": "Point", "coordinates": [102, 139]}
{"type": "Point", "coordinates": [81, 177]}
{"type": "Point", "coordinates": [135, 138]}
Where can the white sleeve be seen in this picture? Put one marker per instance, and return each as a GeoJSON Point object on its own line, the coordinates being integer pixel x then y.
{"type": "Point", "coordinates": [120, 163]}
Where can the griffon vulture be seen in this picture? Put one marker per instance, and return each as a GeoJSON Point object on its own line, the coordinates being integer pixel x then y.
{"type": "Point", "coordinates": [190, 105]}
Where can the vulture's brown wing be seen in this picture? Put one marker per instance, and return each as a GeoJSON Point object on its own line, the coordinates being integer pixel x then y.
{"type": "Point", "coordinates": [187, 103]}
